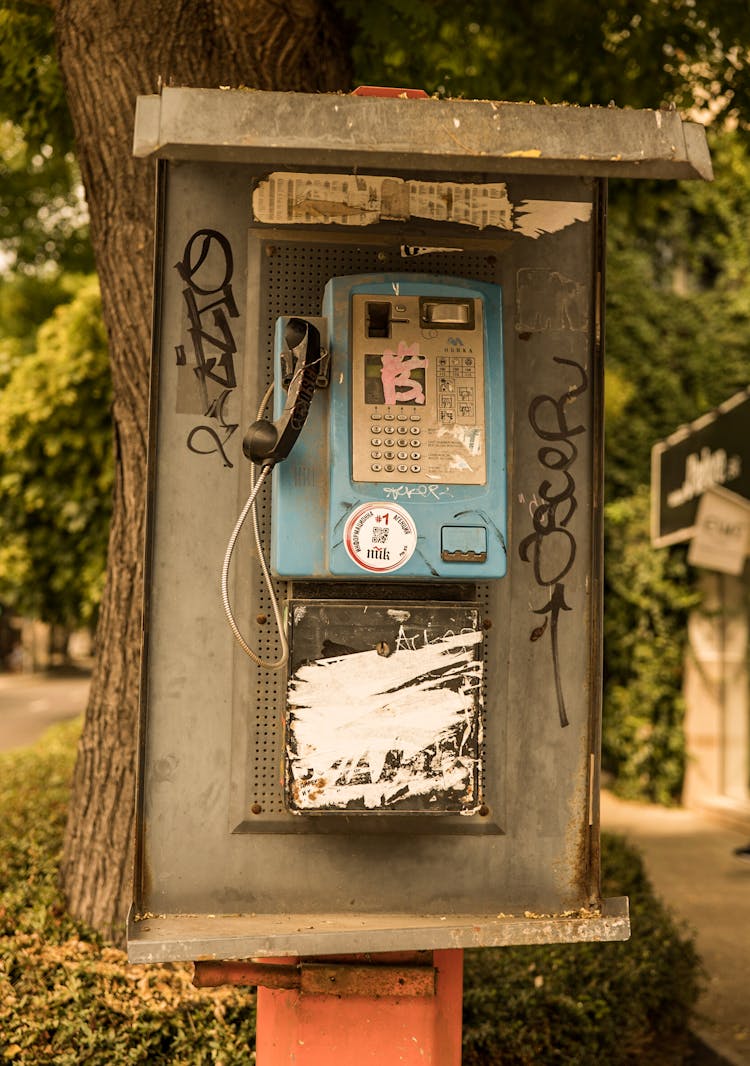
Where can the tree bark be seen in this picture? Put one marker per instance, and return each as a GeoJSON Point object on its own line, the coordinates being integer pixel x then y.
{"type": "Point", "coordinates": [110, 51]}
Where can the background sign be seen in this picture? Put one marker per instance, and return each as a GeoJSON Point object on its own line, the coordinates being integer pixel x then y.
{"type": "Point", "coordinates": [722, 532]}
{"type": "Point", "coordinates": [713, 450]}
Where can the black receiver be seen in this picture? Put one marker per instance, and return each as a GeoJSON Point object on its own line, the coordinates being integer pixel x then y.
{"type": "Point", "coordinates": [266, 442]}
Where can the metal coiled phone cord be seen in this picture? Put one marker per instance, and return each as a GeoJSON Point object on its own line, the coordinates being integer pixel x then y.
{"type": "Point", "coordinates": [255, 487]}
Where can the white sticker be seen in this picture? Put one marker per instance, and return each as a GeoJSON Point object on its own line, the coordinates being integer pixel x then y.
{"type": "Point", "coordinates": [380, 537]}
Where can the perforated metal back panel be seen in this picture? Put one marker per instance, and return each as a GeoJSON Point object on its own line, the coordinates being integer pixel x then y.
{"type": "Point", "coordinates": [293, 273]}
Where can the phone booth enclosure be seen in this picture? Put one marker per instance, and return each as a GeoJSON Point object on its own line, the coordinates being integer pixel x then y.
{"type": "Point", "coordinates": [243, 847]}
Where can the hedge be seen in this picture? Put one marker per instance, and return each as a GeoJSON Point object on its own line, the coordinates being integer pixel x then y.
{"type": "Point", "coordinates": [68, 998]}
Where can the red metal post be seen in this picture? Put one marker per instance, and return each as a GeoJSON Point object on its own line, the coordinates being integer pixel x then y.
{"type": "Point", "coordinates": [342, 1030]}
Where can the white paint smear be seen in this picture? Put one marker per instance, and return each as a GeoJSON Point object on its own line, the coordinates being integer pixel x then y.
{"type": "Point", "coordinates": [349, 712]}
{"type": "Point", "coordinates": [534, 218]}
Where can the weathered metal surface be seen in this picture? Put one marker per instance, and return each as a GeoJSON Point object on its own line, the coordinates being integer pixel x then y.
{"type": "Point", "coordinates": [336, 1030]}
{"type": "Point", "coordinates": [361, 980]}
{"type": "Point", "coordinates": [489, 136]}
{"type": "Point", "coordinates": [321, 978]}
{"type": "Point", "coordinates": [158, 938]}
{"type": "Point", "coordinates": [250, 974]}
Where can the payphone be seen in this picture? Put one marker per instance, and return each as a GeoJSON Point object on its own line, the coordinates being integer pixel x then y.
{"type": "Point", "coordinates": [408, 440]}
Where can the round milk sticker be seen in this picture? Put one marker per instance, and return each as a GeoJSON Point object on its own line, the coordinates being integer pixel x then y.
{"type": "Point", "coordinates": [380, 537]}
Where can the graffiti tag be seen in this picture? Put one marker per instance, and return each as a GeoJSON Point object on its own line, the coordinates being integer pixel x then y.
{"type": "Point", "coordinates": [206, 268]}
{"type": "Point", "coordinates": [551, 546]}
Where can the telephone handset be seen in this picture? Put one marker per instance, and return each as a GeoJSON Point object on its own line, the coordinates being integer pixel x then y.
{"type": "Point", "coordinates": [400, 470]}
{"type": "Point", "coordinates": [303, 368]}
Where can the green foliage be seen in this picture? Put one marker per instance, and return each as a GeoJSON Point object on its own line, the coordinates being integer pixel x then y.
{"type": "Point", "coordinates": [678, 334]}
{"type": "Point", "coordinates": [646, 600]}
{"type": "Point", "coordinates": [43, 217]}
{"type": "Point", "coordinates": [640, 53]}
{"type": "Point", "coordinates": [31, 89]}
{"type": "Point", "coordinates": [66, 997]}
{"type": "Point", "coordinates": [56, 465]}
{"type": "Point", "coordinates": [589, 1004]}
{"type": "Point", "coordinates": [678, 308]}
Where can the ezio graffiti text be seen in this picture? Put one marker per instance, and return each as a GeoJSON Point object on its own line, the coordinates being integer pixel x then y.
{"type": "Point", "coordinates": [206, 268]}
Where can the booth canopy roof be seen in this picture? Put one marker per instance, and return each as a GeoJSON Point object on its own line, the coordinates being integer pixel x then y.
{"type": "Point", "coordinates": [309, 130]}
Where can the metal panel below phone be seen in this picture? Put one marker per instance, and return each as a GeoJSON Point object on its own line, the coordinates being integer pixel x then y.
{"type": "Point", "coordinates": [384, 708]}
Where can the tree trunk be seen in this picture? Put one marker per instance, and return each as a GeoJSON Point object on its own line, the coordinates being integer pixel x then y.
{"type": "Point", "coordinates": [110, 51]}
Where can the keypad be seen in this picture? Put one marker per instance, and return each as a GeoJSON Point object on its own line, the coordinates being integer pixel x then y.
{"type": "Point", "coordinates": [395, 442]}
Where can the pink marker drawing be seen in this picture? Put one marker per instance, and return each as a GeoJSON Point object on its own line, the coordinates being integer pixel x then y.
{"type": "Point", "coordinates": [396, 374]}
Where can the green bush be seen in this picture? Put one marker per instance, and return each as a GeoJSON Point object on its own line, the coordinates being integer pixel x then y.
{"type": "Point", "coordinates": [647, 597]}
{"type": "Point", "coordinates": [588, 1004]}
{"type": "Point", "coordinates": [66, 997]}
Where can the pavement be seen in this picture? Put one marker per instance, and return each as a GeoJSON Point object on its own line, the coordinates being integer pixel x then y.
{"type": "Point", "coordinates": [689, 861]}
{"type": "Point", "coordinates": [30, 703]}
{"type": "Point", "coordinates": [688, 857]}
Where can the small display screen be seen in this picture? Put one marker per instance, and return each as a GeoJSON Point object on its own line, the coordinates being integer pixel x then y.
{"type": "Point", "coordinates": [402, 386]}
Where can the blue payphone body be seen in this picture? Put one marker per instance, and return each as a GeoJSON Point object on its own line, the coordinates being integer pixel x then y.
{"type": "Point", "coordinates": [400, 469]}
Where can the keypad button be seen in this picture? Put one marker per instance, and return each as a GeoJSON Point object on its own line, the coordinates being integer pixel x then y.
{"type": "Point", "coordinates": [389, 442]}
{"type": "Point", "coordinates": [389, 468]}
{"type": "Point", "coordinates": [377, 455]}
{"type": "Point", "coordinates": [401, 418]}
{"type": "Point", "coordinates": [415, 468]}
{"type": "Point", "coordinates": [416, 455]}
{"type": "Point", "coordinates": [375, 442]}
{"type": "Point", "coordinates": [403, 455]}
{"type": "Point", "coordinates": [389, 418]}
{"type": "Point", "coordinates": [415, 430]}
{"type": "Point", "coordinates": [415, 418]}
{"type": "Point", "coordinates": [375, 416]}
{"type": "Point", "coordinates": [402, 468]}
{"type": "Point", "coordinates": [389, 455]}
{"type": "Point", "coordinates": [402, 430]}
{"type": "Point", "coordinates": [376, 467]}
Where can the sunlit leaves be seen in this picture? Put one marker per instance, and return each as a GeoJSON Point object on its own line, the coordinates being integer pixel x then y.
{"type": "Point", "coordinates": [646, 53]}
{"type": "Point", "coordinates": [43, 216]}
{"type": "Point", "coordinates": [56, 467]}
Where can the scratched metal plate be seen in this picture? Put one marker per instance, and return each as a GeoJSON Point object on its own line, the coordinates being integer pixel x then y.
{"type": "Point", "coordinates": [384, 708]}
